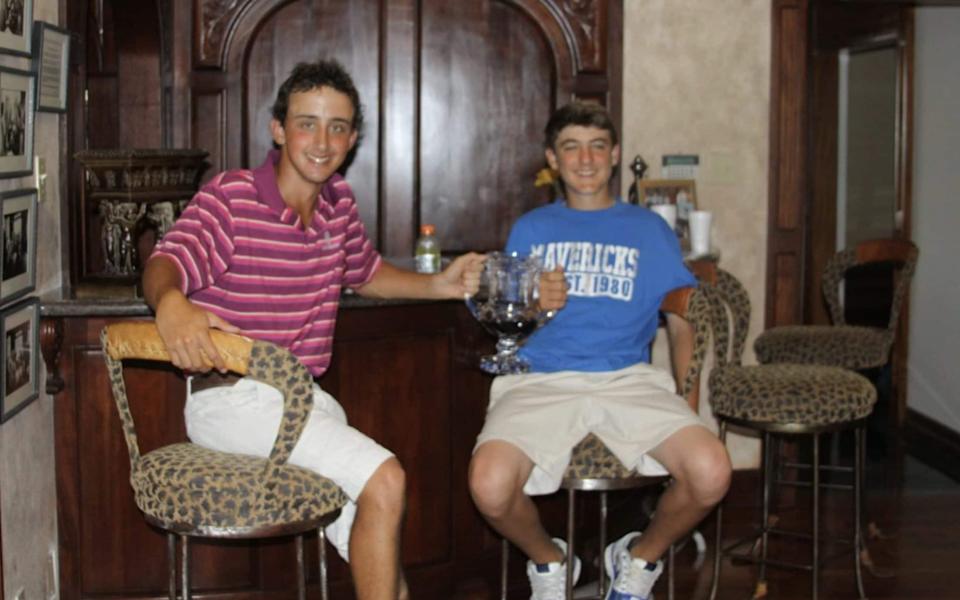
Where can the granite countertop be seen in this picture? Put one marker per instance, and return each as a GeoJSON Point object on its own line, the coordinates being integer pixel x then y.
{"type": "Point", "coordinates": [118, 300]}
{"type": "Point", "coordinates": [109, 301]}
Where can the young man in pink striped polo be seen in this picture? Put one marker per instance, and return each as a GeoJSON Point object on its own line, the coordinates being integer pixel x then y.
{"type": "Point", "coordinates": [265, 253]}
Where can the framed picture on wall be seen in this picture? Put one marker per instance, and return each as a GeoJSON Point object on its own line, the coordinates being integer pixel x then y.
{"type": "Point", "coordinates": [17, 97]}
{"type": "Point", "coordinates": [16, 26]}
{"type": "Point", "coordinates": [681, 193]}
{"type": "Point", "coordinates": [51, 63]}
{"type": "Point", "coordinates": [19, 357]}
{"type": "Point", "coordinates": [18, 243]}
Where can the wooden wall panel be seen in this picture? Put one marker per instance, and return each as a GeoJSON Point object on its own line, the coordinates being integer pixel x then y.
{"type": "Point", "coordinates": [400, 79]}
{"type": "Point", "coordinates": [304, 31]}
{"type": "Point", "coordinates": [486, 89]}
{"type": "Point", "coordinates": [208, 130]}
{"type": "Point", "coordinates": [823, 187]}
{"type": "Point", "coordinates": [422, 442]}
{"type": "Point", "coordinates": [138, 77]}
{"type": "Point", "coordinates": [788, 131]}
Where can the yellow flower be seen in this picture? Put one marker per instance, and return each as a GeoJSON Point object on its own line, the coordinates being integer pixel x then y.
{"type": "Point", "coordinates": [545, 176]}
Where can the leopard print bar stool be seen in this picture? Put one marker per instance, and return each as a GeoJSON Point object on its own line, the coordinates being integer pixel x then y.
{"type": "Point", "coordinates": [840, 344]}
{"type": "Point", "coordinates": [787, 399]}
{"type": "Point", "coordinates": [190, 491]}
{"type": "Point", "coordinates": [593, 467]}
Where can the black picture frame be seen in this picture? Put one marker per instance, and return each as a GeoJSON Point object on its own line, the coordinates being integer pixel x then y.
{"type": "Point", "coordinates": [19, 357]}
{"type": "Point", "coordinates": [680, 192]}
{"type": "Point", "coordinates": [18, 243]}
{"type": "Point", "coordinates": [17, 100]}
{"type": "Point", "coordinates": [16, 27]}
{"type": "Point", "coordinates": [51, 63]}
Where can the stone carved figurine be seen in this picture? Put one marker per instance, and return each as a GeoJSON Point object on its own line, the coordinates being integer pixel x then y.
{"type": "Point", "coordinates": [118, 228]}
{"type": "Point", "coordinates": [162, 215]}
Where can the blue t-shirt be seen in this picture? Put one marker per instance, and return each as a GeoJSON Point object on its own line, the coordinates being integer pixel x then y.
{"type": "Point", "coordinates": [620, 262]}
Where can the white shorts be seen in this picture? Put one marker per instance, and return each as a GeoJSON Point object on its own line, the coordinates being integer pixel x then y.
{"type": "Point", "coordinates": [244, 418]}
{"type": "Point", "coordinates": [632, 411]}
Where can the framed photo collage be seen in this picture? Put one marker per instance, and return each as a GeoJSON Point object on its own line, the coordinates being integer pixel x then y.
{"type": "Point", "coordinates": [42, 86]}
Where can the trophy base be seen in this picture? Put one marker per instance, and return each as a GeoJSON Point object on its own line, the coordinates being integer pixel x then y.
{"type": "Point", "coordinates": [500, 364]}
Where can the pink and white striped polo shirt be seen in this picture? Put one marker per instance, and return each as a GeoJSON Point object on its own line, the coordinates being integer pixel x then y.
{"type": "Point", "coordinates": [244, 255]}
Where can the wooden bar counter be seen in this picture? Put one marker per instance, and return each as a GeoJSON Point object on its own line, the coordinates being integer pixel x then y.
{"type": "Point", "coordinates": [406, 375]}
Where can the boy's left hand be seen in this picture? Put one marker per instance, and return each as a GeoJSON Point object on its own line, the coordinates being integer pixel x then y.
{"type": "Point", "coordinates": [461, 278]}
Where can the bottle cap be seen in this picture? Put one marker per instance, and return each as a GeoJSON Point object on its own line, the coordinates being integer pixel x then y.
{"type": "Point", "coordinates": [427, 229]}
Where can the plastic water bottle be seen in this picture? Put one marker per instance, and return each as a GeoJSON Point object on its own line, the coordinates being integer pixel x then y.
{"type": "Point", "coordinates": [427, 252]}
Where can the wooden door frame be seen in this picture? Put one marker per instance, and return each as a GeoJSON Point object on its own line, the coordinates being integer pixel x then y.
{"type": "Point", "coordinates": [802, 160]}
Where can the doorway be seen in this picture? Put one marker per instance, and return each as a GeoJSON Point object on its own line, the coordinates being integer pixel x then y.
{"type": "Point", "coordinates": [859, 172]}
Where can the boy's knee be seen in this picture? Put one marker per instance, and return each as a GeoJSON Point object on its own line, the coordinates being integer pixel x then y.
{"type": "Point", "coordinates": [387, 487]}
{"type": "Point", "coordinates": [491, 485]}
{"type": "Point", "coordinates": [712, 473]}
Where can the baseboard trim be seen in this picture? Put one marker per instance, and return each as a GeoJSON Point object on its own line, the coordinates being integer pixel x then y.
{"type": "Point", "coordinates": [933, 443]}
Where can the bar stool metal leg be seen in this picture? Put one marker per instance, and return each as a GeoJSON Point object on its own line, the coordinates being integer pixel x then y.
{"type": "Point", "coordinates": [322, 553]}
{"type": "Point", "coordinates": [718, 546]}
{"type": "Point", "coordinates": [172, 564]}
{"type": "Point", "coordinates": [571, 508]}
{"type": "Point", "coordinates": [670, 566]}
{"type": "Point", "coordinates": [816, 514]}
{"type": "Point", "coordinates": [858, 476]}
{"type": "Point", "coordinates": [185, 566]}
{"type": "Point", "coordinates": [766, 486]}
{"type": "Point", "coordinates": [602, 585]}
{"type": "Point", "coordinates": [301, 575]}
{"type": "Point", "coordinates": [504, 561]}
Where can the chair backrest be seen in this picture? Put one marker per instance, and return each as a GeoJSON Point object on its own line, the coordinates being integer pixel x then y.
{"type": "Point", "coordinates": [901, 253]}
{"type": "Point", "coordinates": [691, 304]}
{"type": "Point", "coordinates": [256, 359]}
{"type": "Point", "coordinates": [730, 317]}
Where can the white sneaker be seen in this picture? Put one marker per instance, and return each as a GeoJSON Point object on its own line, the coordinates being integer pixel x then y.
{"type": "Point", "coordinates": [614, 550]}
{"type": "Point", "coordinates": [548, 582]}
{"type": "Point", "coordinates": [632, 578]}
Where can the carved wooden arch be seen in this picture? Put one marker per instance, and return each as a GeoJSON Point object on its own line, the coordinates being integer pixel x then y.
{"type": "Point", "coordinates": [570, 27]}
{"type": "Point", "coordinates": [226, 27]}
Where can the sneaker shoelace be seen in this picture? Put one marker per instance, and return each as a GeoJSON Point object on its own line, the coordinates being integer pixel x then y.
{"type": "Point", "coordinates": [633, 579]}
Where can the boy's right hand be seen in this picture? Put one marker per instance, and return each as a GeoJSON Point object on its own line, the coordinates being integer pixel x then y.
{"type": "Point", "coordinates": [185, 331]}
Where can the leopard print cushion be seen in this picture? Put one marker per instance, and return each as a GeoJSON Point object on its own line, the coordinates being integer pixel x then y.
{"type": "Point", "coordinates": [782, 394]}
{"type": "Point", "coordinates": [187, 488]}
{"type": "Point", "coordinates": [591, 459]}
{"type": "Point", "coordinates": [787, 394]}
{"type": "Point", "coordinates": [844, 346]}
{"type": "Point", "coordinates": [839, 345]}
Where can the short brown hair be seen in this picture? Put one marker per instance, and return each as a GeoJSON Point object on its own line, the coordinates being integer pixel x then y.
{"type": "Point", "coordinates": [586, 114]}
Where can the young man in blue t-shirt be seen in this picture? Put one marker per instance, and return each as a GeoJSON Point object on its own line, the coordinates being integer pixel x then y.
{"type": "Point", "coordinates": [590, 370]}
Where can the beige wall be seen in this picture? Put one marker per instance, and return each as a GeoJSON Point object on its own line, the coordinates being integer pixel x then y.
{"type": "Point", "coordinates": [27, 488]}
{"type": "Point", "coordinates": [697, 80]}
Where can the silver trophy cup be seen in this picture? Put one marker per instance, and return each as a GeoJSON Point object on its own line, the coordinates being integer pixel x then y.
{"type": "Point", "coordinates": [506, 305]}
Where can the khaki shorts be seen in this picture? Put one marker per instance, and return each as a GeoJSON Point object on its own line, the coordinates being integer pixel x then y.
{"type": "Point", "coordinates": [243, 418]}
{"type": "Point", "coordinates": [632, 410]}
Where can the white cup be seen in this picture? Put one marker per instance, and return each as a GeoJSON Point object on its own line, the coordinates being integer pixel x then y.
{"type": "Point", "coordinates": [700, 232]}
{"type": "Point", "coordinates": [668, 212]}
